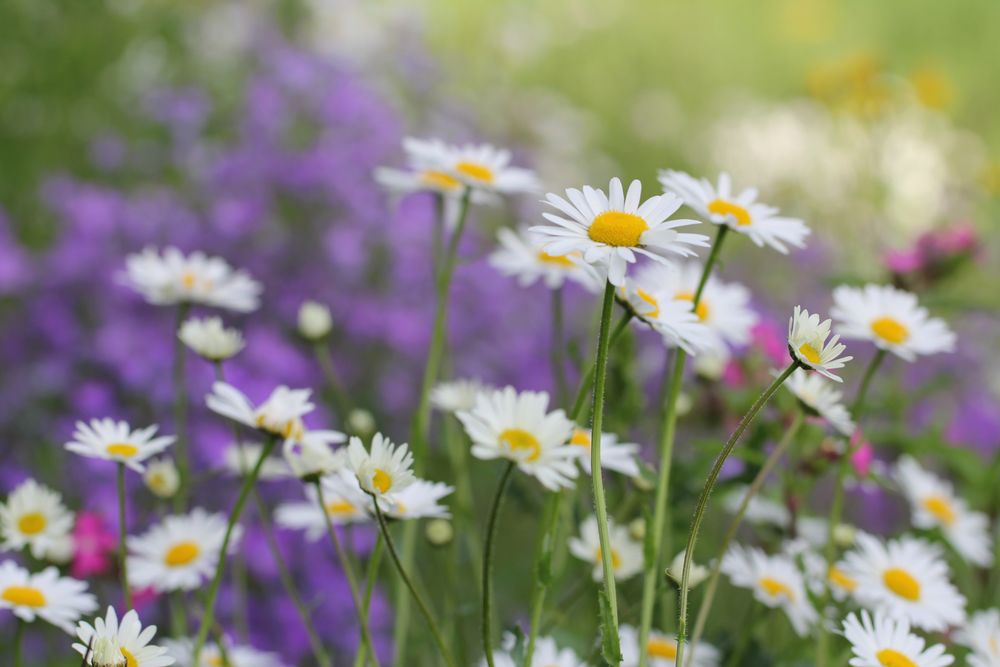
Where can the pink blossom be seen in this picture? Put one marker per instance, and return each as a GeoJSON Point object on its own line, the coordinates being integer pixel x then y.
{"type": "Point", "coordinates": [862, 457]}
{"type": "Point", "coordinates": [772, 342]}
{"type": "Point", "coordinates": [93, 545]}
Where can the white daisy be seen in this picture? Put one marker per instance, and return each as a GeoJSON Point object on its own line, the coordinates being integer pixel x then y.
{"type": "Point", "coordinates": [162, 478]}
{"type": "Point", "coordinates": [982, 635]}
{"type": "Point", "coordinates": [420, 501]}
{"type": "Point", "coordinates": [885, 641]}
{"type": "Point", "coordinates": [740, 212]}
{"type": "Point", "coordinates": [197, 278]}
{"type": "Point", "coordinates": [239, 656]}
{"type": "Point", "coordinates": [312, 456]}
{"type": "Point", "coordinates": [696, 574]}
{"type": "Point", "coordinates": [775, 581]}
{"type": "Point", "coordinates": [482, 167]}
{"type": "Point", "coordinates": [626, 553]}
{"type": "Point", "coordinates": [383, 471]}
{"type": "Point", "coordinates": [58, 600]}
{"type": "Point", "coordinates": [661, 650]}
{"type": "Point", "coordinates": [620, 457]}
{"type": "Point", "coordinates": [610, 229]}
{"type": "Point", "coordinates": [908, 579]}
{"type": "Point", "coordinates": [520, 256]}
{"type": "Point", "coordinates": [672, 318]}
{"type": "Point", "coordinates": [516, 426]}
{"type": "Point", "coordinates": [819, 576]}
{"type": "Point", "coordinates": [240, 458]}
{"type": "Point", "coordinates": [314, 320]}
{"type": "Point", "coordinates": [116, 441]}
{"type": "Point", "coordinates": [343, 506]}
{"type": "Point", "coordinates": [547, 654]}
{"type": "Point", "coordinates": [127, 639]}
{"type": "Point", "coordinates": [34, 517]}
{"type": "Point", "coordinates": [760, 510]}
{"type": "Point", "coordinates": [934, 505]}
{"type": "Point", "coordinates": [179, 553]}
{"type": "Point", "coordinates": [807, 342]}
{"type": "Point", "coordinates": [890, 318]}
{"type": "Point", "coordinates": [457, 394]}
{"type": "Point", "coordinates": [819, 397]}
{"type": "Point", "coordinates": [209, 338]}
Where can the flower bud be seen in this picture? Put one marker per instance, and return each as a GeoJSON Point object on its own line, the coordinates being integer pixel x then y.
{"type": "Point", "coordinates": [844, 535]}
{"type": "Point", "coordinates": [106, 653]}
{"type": "Point", "coordinates": [314, 320]}
{"type": "Point", "coordinates": [161, 478]}
{"type": "Point", "coordinates": [698, 574]}
{"type": "Point", "coordinates": [361, 422]}
{"type": "Point", "coordinates": [439, 532]}
{"type": "Point", "coordinates": [637, 529]}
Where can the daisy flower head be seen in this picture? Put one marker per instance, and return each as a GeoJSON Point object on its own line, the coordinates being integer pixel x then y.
{"type": "Point", "coordinates": [481, 167]}
{"type": "Point", "coordinates": [173, 278]}
{"type": "Point", "coordinates": [547, 654]}
{"type": "Point", "coordinates": [312, 456]}
{"type": "Point", "coordinates": [117, 441]}
{"type": "Point", "coordinates": [127, 641]}
{"type": "Point", "coordinates": [162, 478]}
{"type": "Point", "coordinates": [343, 499]}
{"type": "Point", "coordinates": [820, 398]}
{"type": "Point", "coordinates": [982, 636]}
{"type": "Point", "coordinates": [884, 641]}
{"type": "Point", "coordinates": [420, 500]}
{"type": "Point", "coordinates": [820, 577]}
{"type": "Point", "coordinates": [517, 426]}
{"type": "Point", "coordinates": [383, 471]}
{"type": "Point", "coordinates": [697, 574]}
{"type": "Point", "coordinates": [661, 650]}
{"type": "Point", "coordinates": [179, 553]}
{"type": "Point", "coordinates": [241, 457]}
{"type": "Point", "coordinates": [907, 579]}
{"type": "Point", "coordinates": [891, 319]}
{"type": "Point", "coordinates": [934, 505]}
{"type": "Point", "coordinates": [520, 256]}
{"type": "Point", "coordinates": [807, 342]}
{"type": "Point", "coordinates": [212, 655]}
{"type": "Point", "coordinates": [741, 212]}
{"type": "Point", "coordinates": [457, 394]}
{"type": "Point", "coordinates": [775, 581]}
{"type": "Point", "coordinates": [626, 552]}
{"type": "Point", "coordinates": [35, 517]}
{"type": "Point", "coordinates": [672, 318]}
{"type": "Point", "coordinates": [209, 338]}
{"type": "Point", "coordinates": [54, 599]}
{"type": "Point", "coordinates": [618, 456]}
{"type": "Point", "coordinates": [280, 415]}
{"type": "Point", "coordinates": [610, 229]}
{"type": "Point", "coordinates": [760, 510]}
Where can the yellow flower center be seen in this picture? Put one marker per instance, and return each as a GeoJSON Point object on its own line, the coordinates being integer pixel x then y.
{"type": "Point", "coordinates": [838, 578]}
{"type": "Point", "coordinates": [439, 180]}
{"type": "Point", "coordinates": [518, 440]}
{"type": "Point", "coordinates": [810, 353]}
{"type": "Point", "coordinates": [580, 437]}
{"type": "Point", "coordinates": [122, 449]}
{"type": "Point", "coordinates": [181, 554]}
{"type": "Point", "coordinates": [215, 661]}
{"type": "Point", "coordinates": [24, 596]}
{"type": "Point", "coordinates": [130, 660]}
{"type": "Point", "coordinates": [892, 658]}
{"type": "Point", "coordinates": [616, 559]}
{"type": "Point", "coordinates": [941, 508]}
{"type": "Point", "coordinates": [32, 524]}
{"type": "Point", "coordinates": [616, 228]}
{"type": "Point", "coordinates": [475, 171]}
{"type": "Point", "coordinates": [701, 311]}
{"type": "Point", "coordinates": [339, 508]}
{"type": "Point", "coordinates": [723, 207]}
{"type": "Point", "coordinates": [661, 648]}
{"type": "Point", "coordinates": [188, 279]}
{"type": "Point", "coordinates": [654, 305]}
{"type": "Point", "coordinates": [776, 588]}
{"type": "Point", "coordinates": [890, 330]}
{"type": "Point", "coordinates": [902, 583]}
{"type": "Point", "coordinates": [292, 429]}
{"type": "Point", "coordinates": [381, 480]}
{"type": "Point", "coordinates": [557, 260]}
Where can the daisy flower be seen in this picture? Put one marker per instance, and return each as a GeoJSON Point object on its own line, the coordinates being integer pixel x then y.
{"type": "Point", "coordinates": [197, 278]}
{"type": "Point", "coordinates": [179, 553]}
{"type": "Point", "coordinates": [644, 295]}
{"type": "Point", "coordinates": [34, 517]}
{"type": "Point", "coordinates": [775, 581]}
{"type": "Point", "coordinates": [312, 456]}
{"type": "Point", "coordinates": [934, 505]}
{"type": "Point", "coordinates": [457, 394]}
{"type": "Point", "coordinates": [240, 458]}
{"type": "Point", "coordinates": [908, 579]}
{"type": "Point", "coordinates": [162, 478]}
{"type": "Point", "coordinates": [819, 576]}
{"type": "Point", "coordinates": [696, 575]}
{"type": "Point", "coordinates": [891, 319]}
{"type": "Point", "coordinates": [520, 256]}
{"type": "Point", "coordinates": [516, 426]}
{"type": "Point", "coordinates": [661, 650]}
{"type": "Point", "coordinates": [807, 342]}
{"type": "Point", "coordinates": [609, 229]}
{"type": "Point", "coordinates": [620, 457]}
{"type": "Point", "coordinates": [886, 641]}
{"type": "Point", "coordinates": [210, 339]}
{"type": "Point", "coordinates": [481, 167]}
{"type": "Point", "coordinates": [740, 212]}
{"type": "Point", "coordinates": [626, 553]}
{"type": "Point", "coordinates": [126, 640]}
{"type": "Point", "coordinates": [116, 441]}
{"type": "Point", "coordinates": [547, 654]}
{"type": "Point", "coordinates": [58, 600]}
{"type": "Point", "coordinates": [420, 501]}
{"type": "Point", "coordinates": [760, 510]}
{"type": "Point", "coordinates": [343, 505]}
{"type": "Point", "coordinates": [820, 398]}
{"type": "Point", "coordinates": [211, 656]}
{"type": "Point", "coordinates": [383, 471]}
{"type": "Point", "coordinates": [982, 635]}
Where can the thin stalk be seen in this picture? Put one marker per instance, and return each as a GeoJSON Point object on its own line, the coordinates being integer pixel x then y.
{"type": "Point", "coordinates": [597, 479]}
{"type": "Point", "coordinates": [352, 580]}
{"type": "Point", "coordinates": [421, 604]}
{"type": "Point", "coordinates": [178, 614]}
{"type": "Point", "coordinates": [491, 526]}
{"type": "Point", "coordinates": [18, 641]}
{"type": "Point", "coordinates": [558, 352]}
{"type": "Point", "coordinates": [588, 379]}
{"type": "Point", "coordinates": [371, 574]}
{"type": "Point", "coordinates": [543, 569]}
{"type": "Point", "coordinates": [180, 413]}
{"type": "Point", "coordinates": [706, 492]}
{"type": "Point", "coordinates": [341, 401]}
{"type": "Point", "coordinates": [122, 550]}
{"type": "Point", "coordinates": [458, 451]}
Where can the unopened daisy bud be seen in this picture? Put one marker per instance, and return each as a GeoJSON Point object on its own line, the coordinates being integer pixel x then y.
{"type": "Point", "coordinates": [439, 532]}
{"type": "Point", "coordinates": [844, 535]}
{"type": "Point", "coordinates": [210, 339]}
{"type": "Point", "coordinates": [637, 529]}
{"type": "Point", "coordinates": [710, 365]}
{"type": "Point", "coordinates": [361, 422]}
{"type": "Point", "coordinates": [643, 482]}
{"type": "Point", "coordinates": [107, 653]}
{"type": "Point", "coordinates": [676, 570]}
{"type": "Point", "coordinates": [161, 478]}
{"type": "Point", "coordinates": [315, 321]}
{"type": "Point", "coordinates": [684, 404]}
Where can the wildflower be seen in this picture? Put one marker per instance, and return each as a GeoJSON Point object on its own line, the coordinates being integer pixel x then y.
{"type": "Point", "coordinates": [981, 634]}
{"type": "Point", "coordinates": [116, 441]}
{"type": "Point", "coordinates": [481, 167]}
{"type": "Point", "coordinates": [775, 581]}
{"type": "Point", "coordinates": [626, 553]}
{"type": "Point", "coordinates": [315, 321]}
{"type": "Point", "coordinates": [672, 318]}
{"type": "Point", "coordinates": [547, 654]}
{"type": "Point", "coordinates": [128, 639]}
{"type": "Point", "coordinates": [161, 478]}
{"type": "Point", "coordinates": [761, 509]}
{"type": "Point", "coordinates": [211, 655]}
{"type": "Point", "coordinates": [457, 395]}
{"type": "Point", "coordinates": [819, 398]}
{"type": "Point", "coordinates": [93, 545]}
{"type": "Point", "coordinates": [197, 278]}
{"type": "Point", "coordinates": [807, 342]}
{"type": "Point", "coordinates": [210, 339]}
{"type": "Point", "coordinates": [35, 517]}
{"type": "Point", "coordinates": [521, 256]}
{"type": "Point", "coordinates": [45, 595]}
{"type": "Point", "coordinates": [698, 573]}
{"type": "Point", "coordinates": [887, 641]}
{"type": "Point", "coordinates": [420, 499]}
{"type": "Point", "coordinates": [661, 650]}
{"type": "Point", "coordinates": [620, 457]}
{"type": "Point", "coordinates": [344, 505]}
{"type": "Point", "coordinates": [439, 532]}
{"type": "Point", "coordinates": [383, 471]}
{"type": "Point", "coordinates": [311, 457]}
{"type": "Point", "coordinates": [280, 415]}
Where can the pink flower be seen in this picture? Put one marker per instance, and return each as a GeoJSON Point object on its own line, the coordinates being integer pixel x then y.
{"type": "Point", "coordinates": [772, 342]}
{"type": "Point", "coordinates": [93, 545]}
{"type": "Point", "coordinates": [903, 261]}
{"type": "Point", "coordinates": [861, 458]}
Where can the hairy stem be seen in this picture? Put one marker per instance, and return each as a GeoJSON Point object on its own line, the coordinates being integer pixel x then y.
{"type": "Point", "coordinates": [491, 526]}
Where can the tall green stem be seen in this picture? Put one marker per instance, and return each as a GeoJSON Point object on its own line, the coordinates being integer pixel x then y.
{"type": "Point", "coordinates": [122, 534]}
{"type": "Point", "coordinates": [587, 382]}
{"type": "Point", "coordinates": [374, 560]}
{"type": "Point", "coordinates": [543, 569]}
{"type": "Point", "coordinates": [558, 351]}
{"type": "Point", "coordinates": [180, 413]}
{"type": "Point", "coordinates": [491, 525]}
{"type": "Point", "coordinates": [18, 641]}
{"type": "Point", "coordinates": [706, 492]}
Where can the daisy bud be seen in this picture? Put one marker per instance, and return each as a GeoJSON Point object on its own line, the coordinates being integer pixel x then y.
{"type": "Point", "coordinates": [637, 529]}
{"type": "Point", "coordinates": [710, 366]}
{"type": "Point", "coordinates": [844, 535]}
{"type": "Point", "coordinates": [699, 573]}
{"type": "Point", "coordinates": [161, 478]}
{"type": "Point", "coordinates": [361, 422]}
{"type": "Point", "coordinates": [106, 653]}
{"type": "Point", "coordinates": [208, 338]}
{"type": "Point", "coordinates": [684, 404]}
{"type": "Point", "coordinates": [439, 532]}
{"type": "Point", "coordinates": [314, 321]}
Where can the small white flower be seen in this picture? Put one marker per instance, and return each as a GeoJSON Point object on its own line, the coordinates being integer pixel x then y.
{"type": "Point", "coordinates": [116, 441]}
{"type": "Point", "coordinates": [620, 457]}
{"type": "Point", "coordinates": [385, 470]}
{"type": "Point", "coordinates": [128, 638]}
{"type": "Point", "coordinates": [162, 478]}
{"type": "Point", "coordinates": [671, 316]}
{"type": "Point", "coordinates": [209, 338]}
{"type": "Point", "coordinates": [547, 654]}
{"type": "Point", "coordinates": [211, 656]}
{"type": "Point", "coordinates": [280, 415]}
{"type": "Point", "coordinates": [521, 256]}
{"type": "Point", "coordinates": [457, 394]}
{"type": "Point", "coordinates": [312, 456]}
{"type": "Point", "coordinates": [610, 229]}
{"type": "Point", "coordinates": [35, 517]}
{"type": "Point", "coordinates": [241, 457]}
{"type": "Point", "coordinates": [315, 321]}
{"type": "Point", "coordinates": [807, 342]}
{"type": "Point", "coordinates": [740, 212]}
{"type": "Point", "coordinates": [982, 635]}
{"type": "Point", "coordinates": [887, 641]}
{"type": "Point", "coordinates": [891, 319]}
{"type": "Point", "coordinates": [58, 600]}
{"type": "Point", "coordinates": [775, 581]}
{"type": "Point", "coordinates": [661, 650]}
{"type": "Point", "coordinates": [482, 167]}
{"type": "Point", "coordinates": [420, 501]}
{"type": "Point", "coordinates": [626, 553]}
{"type": "Point", "coordinates": [698, 573]}
{"type": "Point", "coordinates": [761, 509]}
{"type": "Point", "coordinates": [820, 577]}
{"type": "Point", "coordinates": [343, 499]}
{"type": "Point", "coordinates": [819, 397]}
{"type": "Point", "coordinates": [197, 278]}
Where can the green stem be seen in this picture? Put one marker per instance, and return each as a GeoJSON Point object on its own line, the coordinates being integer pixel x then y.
{"type": "Point", "coordinates": [588, 379]}
{"type": "Point", "coordinates": [18, 641]}
{"type": "Point", "coordinates": [465, 506]}
{"type": "Point", "coordinates": [180, 414]}
{"type": "Point", "coordinates": [371, 574]}
{"type": "Point", "coordinates": [706, 492]}
{"type": "Point", "coordinates": [543, 569]}
{"type": "Point", "coordinates": [122, 534]}
{"type": "Point", "coordinates": [421, 604]}
{"type": "Point", "coordinates": [340, 400]}
{"type": "Point", "coordinates": [491, 526]}
{"type": "Point", "coordinates": [558, 352]}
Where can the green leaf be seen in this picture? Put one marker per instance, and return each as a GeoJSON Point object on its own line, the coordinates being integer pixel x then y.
{"type": "Point", "coordinates": [610, 648]}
